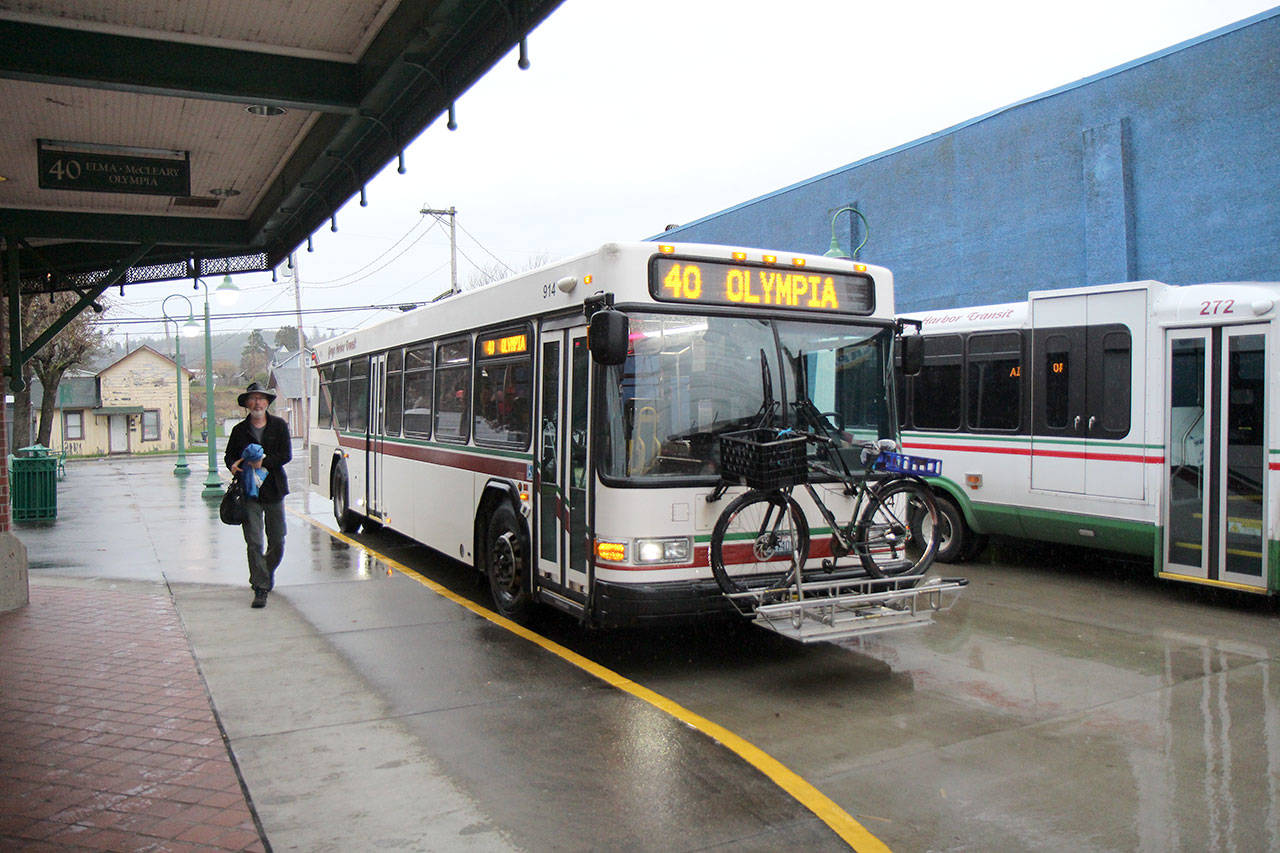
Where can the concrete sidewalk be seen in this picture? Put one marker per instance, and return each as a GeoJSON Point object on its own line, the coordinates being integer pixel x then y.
{"type": "Point", "coordinates": [361, 710]}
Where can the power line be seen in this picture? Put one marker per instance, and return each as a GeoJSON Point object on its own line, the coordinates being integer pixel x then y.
{"type": "Point", "coordinates": [248, 315]}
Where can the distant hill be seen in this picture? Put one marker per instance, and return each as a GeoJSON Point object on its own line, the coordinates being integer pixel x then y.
{"type": "Point", "coordinates": [226, 347]}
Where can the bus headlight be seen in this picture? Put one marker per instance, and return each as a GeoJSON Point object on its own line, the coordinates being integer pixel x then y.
{"type": "Point", "coordinates": [673, 549]}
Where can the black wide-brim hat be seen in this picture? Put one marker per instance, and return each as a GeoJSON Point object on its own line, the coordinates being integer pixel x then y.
{"type": "Point", "coordinates": [255, 388]}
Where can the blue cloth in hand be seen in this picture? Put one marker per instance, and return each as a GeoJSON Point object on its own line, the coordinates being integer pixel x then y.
{"type": "Point", "coordinates": [253, 476]}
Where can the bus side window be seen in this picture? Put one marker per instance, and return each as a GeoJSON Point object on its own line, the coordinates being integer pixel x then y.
{"type": "Point", "coordinates": [937, 393]}
{"type": "Point", "coordinates": [417, 391]}
{"type": "Point", "coordinates": [1117, 383]}
{"type": "Point", "coordinates": [453, 390]}
{"type": "Point", "coordinates": [341, 371]}
{"type": "Point", "coordinates": [1057, 381]}
{"type": "Point", "coordinates": [324, 411]}
{"type": "Point", "coordinates": [358, 395]}
{"type": "Point", "coordinates": [395, 387]}
{"type": "Point", "coordinates": [994, 381]}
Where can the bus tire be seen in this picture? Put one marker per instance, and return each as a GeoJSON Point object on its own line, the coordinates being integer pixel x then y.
{"type": "Point", "coordinates": [507, 557]}
{"type": "Point", "coordinates": [955, 538]}
{"type": "Point", "coordinates": [348, 521]}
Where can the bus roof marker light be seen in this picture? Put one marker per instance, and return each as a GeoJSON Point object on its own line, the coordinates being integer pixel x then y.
{"type": "Point", "coordinates": [666, 248]}
{"type": "Point", "coordinates": [770, 259]}
{"type": "Point", "coordinates": [799, 262]}
{"type": "Point", "coordinates": [739, 256]}
{"type": "Point", "coordinates": [567, 284]}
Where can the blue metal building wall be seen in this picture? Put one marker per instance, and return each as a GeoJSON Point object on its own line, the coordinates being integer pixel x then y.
{"type": "Point", "coordinates": [1165, 168]}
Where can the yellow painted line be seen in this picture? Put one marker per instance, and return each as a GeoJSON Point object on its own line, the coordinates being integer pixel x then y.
{"type": "Point", "coordinates": [1174, 576]}
{"type": "Point", "coordinates": [840, 821]}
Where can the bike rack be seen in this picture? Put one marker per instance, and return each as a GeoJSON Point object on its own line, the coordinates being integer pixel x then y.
{"type": "Point", "coordinates": [821, 611]}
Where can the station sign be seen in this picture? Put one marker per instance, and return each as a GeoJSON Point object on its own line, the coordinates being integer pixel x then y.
{"type": "Point", "coordinates": [89, 167]}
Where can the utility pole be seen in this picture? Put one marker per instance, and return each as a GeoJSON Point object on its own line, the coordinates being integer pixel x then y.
{"type": "Point", "coordinates": [302, 371]}
{"type": "Point", "coordinates": [452, 213]}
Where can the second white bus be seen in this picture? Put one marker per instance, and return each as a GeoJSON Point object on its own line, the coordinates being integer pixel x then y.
{"type": "Point", "coordinates": [1131, 417]}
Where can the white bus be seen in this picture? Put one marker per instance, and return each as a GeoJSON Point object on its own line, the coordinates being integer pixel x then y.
{"type": "Point", "coordinates": [482, 426]}
{"type": "Point", "coordinates": [1130, 417]}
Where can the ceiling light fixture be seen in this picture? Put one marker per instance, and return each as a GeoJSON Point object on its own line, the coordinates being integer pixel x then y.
{"type": "Point", "coordinates": [265, 110]}
{"type": "Point", "coordinates": [224, 192]}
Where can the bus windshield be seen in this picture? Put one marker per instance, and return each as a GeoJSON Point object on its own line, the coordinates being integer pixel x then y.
{"type": "Point", "coordinates": [690, 379]}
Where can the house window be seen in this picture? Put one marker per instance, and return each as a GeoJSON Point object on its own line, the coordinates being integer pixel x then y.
{"type": "Point", "coordinates": [73, 426]}
{"type": "Point", "coordinates": [151, 425]}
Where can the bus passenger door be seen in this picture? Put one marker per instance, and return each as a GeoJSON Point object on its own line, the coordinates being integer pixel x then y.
{"type": "Point", "coordinates": [562, 447]}
{"type": "Point", "coordinates": [1087, 357]}
{"type": "Point", "coordinates": [377, 434]}
{"type": "Point", "coordinates": [1216, 455]}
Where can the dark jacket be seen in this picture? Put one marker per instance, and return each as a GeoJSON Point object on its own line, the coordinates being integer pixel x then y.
{"type": "Point", "coordinates": [279, 449]}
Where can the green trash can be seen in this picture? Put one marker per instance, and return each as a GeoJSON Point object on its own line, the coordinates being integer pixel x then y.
{"type": "Point", "coordinates": [33, 484]}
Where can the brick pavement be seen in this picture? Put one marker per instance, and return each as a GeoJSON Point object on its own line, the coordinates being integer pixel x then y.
{"type": "Point", "coordinates": [107, 737]}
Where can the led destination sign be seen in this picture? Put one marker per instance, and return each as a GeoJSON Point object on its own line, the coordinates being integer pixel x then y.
{"type": "Point", "coordinates": [508, 345]}
{"type": "Point", "coordinates": [749, 286]}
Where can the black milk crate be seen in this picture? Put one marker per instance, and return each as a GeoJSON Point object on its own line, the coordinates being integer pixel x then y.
{"type": "Point", "coordinates": [901, 463]}
{"type": "Point", "coordinates": [763, 458]}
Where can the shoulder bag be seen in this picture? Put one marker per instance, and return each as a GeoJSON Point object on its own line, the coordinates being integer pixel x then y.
{"type": "Point", "coordinates": [231, 510]}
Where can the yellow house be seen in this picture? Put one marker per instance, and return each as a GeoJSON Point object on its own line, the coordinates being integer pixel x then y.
{"type": "Point", "coordinates": [130, 406]}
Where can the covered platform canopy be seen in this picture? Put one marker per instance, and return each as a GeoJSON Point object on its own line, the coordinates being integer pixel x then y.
{"type": "Point", "coordinates": [147, 142]}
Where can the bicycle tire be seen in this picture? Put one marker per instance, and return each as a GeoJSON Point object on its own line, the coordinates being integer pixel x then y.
{"type": "Point", "coordinates": [751, 537]}
{"type": "Point", "coordinates": [897, 531]}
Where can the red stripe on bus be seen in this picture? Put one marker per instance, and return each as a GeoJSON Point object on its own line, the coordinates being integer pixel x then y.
{"type": "Point", "coordinates": [818, 548]}
{"type": "Point", "coordinates": [512, 468]}
{"type": "Point", "coordinates": [1027, 451]}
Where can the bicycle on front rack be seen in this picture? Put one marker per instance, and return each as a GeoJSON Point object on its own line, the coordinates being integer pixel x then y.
{"type": "Point", "coordinates": [761, 541]}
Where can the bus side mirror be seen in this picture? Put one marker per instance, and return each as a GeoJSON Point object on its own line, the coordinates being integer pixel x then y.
{"type": "Point", "coordinates": [912, 353]}
{"type": "Point", "coordinates": [609, 337]}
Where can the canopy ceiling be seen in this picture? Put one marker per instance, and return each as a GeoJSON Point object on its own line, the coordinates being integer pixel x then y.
{"type": "Point", "coordinates": [123, 95]}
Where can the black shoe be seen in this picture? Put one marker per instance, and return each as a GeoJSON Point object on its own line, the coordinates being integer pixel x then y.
{"type": "Point", "coordinates": [259, 598]}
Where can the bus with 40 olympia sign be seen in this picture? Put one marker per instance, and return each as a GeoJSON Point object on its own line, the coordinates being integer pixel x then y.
{"type": "Point", "coordinates": [570, 458]}
{"type": "Point", "coordinates": [1135, 417]}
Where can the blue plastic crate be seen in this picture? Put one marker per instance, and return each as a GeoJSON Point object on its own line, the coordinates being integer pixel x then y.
{"type": "Point", "coordinates": [901, 463]}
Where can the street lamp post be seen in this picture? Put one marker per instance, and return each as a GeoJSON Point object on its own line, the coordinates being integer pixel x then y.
{"type": "Point", "coordinates": [835, 251]}
{"type": "Point", "coordinates": [180, 469]}
{"type": "Point", "coordinates": [212, 482]}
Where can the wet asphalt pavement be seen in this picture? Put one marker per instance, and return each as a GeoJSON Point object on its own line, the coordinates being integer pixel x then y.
{"type": "Point", "coordinates": [1068, 701]}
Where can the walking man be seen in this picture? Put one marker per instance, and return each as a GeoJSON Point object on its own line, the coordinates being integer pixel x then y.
{"type": "Point", "coordinates": [258, 449]}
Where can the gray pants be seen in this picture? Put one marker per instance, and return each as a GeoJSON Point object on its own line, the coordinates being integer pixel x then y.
{"type": "Point", "coordinates": [263, 528]}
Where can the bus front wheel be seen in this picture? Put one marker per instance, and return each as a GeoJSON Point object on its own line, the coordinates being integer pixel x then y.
{"type": "Point", "coordinates": [956, 542]}
{"type": "Point", "coordinates": [348, 521]}
{"type": "Point", "coordinates": [507, 563]}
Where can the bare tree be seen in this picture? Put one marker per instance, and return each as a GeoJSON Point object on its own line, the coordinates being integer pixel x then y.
{"type": "Point", "coordinates": [497, 271]}
{"type": "Point", "coordinates": [73, 346]}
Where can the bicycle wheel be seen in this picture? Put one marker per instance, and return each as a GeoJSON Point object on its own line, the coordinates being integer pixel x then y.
{"type": "Point", "coordinates": [762, 537]}
{"type": "Point", "coordinates": [897, 531]}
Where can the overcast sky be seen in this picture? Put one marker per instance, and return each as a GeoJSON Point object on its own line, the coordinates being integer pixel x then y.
{"type": "Point", "coordinates": [636, 114]}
